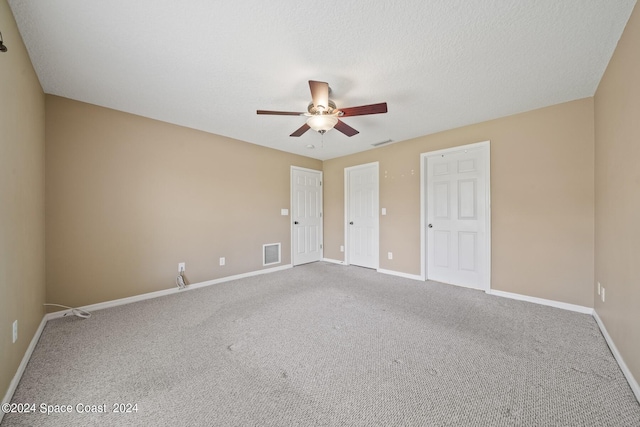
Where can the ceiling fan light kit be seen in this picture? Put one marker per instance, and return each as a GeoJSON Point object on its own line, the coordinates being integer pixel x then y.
{"type": "Point", "coordinates": [323, 113]}
{"type": "Point", "coordinates": [322, 123]}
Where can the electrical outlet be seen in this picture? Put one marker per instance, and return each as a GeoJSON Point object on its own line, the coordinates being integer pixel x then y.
{"type": "Point", "coordinates": [390, 255]}
{"type": "Point", "coordinates": [181, 267]}
{"type": "Point", "coordinates": [223, 261]}
{"type": "Point", "coordinates": [15, 331]}
{"type": "Point", "coordinates": [341, 248]}
{"type": "Point", "coordinates": [602, 294]}
{"type": "Point", "coordinates": [598, 288]}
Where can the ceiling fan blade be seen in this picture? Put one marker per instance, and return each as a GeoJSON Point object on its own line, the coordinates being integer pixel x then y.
{"type": "Point", "coordinates": [319, 93]}
{"type": "Point", "coordinates": [305, 127]}
{"type": "Point", "coordinates": [279, 113]}
{"type": "Point", "coordinates": [345, 128]}
{"type": "Point", "coordinates": [364, 110]}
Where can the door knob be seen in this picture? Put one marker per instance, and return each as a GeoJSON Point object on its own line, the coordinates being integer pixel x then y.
{"type": "Point", "coordinates": [351, 223]}
{"type": "Point", "coordinates": [430, 225]}
{"type": "Point", "coordinates": [295, 222]}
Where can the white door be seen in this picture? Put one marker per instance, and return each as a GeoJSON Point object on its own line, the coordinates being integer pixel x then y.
{"type": "Point", "coordinates": [306, 215]}
{"type": "Point", "coordinates": [457, 208]}
{"type": "Point", "coordinates": [362, 215]}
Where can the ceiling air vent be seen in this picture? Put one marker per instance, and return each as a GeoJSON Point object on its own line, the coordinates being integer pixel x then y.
{"type": "Point", "coordinates": [378, 144]}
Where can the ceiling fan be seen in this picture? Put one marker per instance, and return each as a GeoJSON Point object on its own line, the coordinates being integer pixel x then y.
{"type": "Point", "coordinates": [323, 113]}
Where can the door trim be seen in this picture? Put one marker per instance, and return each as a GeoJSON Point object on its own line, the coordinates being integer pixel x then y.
{"type": "Point", "coordinates": [486, 147]}
{"type": "Point", "coordinates": [346, 211]}
{"type": "Point", "coordinates": [291, 233]}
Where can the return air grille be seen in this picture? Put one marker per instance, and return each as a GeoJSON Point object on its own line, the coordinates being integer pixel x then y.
{"type": "Point", "coordinates": [271, 254]}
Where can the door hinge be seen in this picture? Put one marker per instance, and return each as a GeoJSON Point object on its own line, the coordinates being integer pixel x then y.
{"type": "Point", "coordinates": [320, 183]}
{"type": "Point", "coordinates": [320, 214]}
{"type": "Point", "coordinates": [320, 245]}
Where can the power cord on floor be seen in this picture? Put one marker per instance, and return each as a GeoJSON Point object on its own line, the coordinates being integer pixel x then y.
{"type": "Point", "coordinates": [75, 311]}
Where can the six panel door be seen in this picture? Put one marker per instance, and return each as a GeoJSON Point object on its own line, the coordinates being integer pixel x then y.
{"type": "Point", "coordinates": [456, 230]}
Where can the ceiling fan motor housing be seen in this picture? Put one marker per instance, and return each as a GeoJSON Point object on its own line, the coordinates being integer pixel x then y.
{"type": "Point", "coordinates": [312, 109]}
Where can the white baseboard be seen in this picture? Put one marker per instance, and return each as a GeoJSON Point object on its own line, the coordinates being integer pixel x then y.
{"type": "Point", "coordinates": [542, 301]}
{"type": "Point", "coordinates": [157, 294]}
{"type": "Point", "coordinates": [23, 364]}
{"type": "Point", "coordinates": [334, 261]}
{"type": "Point", "coordinates": [401, 274]}
{"type": "Point", "coordinates": [237, 276]}
{"type": "Point", "coordinates": [623, 366]}
{"type": "Point", "coordinates": [117, 302]}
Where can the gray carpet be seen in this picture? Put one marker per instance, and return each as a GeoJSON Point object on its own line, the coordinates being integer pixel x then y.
{"type": "Point", "coordinates": [328, 345]}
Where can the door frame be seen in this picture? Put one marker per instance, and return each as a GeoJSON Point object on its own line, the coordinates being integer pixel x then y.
{"type": "Point", "coordinates": [291, 232]}
{"type": "Point", "coordinates": [347, 207]}
{"type": "Point", "coordinates": [486, 147]}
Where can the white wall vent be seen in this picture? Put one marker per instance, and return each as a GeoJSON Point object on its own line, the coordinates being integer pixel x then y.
{"type": "Point", "coordinates": [271, 254]}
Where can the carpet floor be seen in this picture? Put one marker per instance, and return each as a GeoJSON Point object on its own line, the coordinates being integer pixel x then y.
{"type": "Point", "coordinates": [326, 345]}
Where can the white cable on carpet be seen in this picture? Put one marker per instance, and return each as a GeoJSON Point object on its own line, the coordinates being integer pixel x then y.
{"type": "Point", "coordinates": [181, 281]}
{"type": "Point", "coordinates": [75, 311]}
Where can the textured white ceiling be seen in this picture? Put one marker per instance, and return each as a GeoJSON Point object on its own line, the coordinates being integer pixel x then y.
{"type": "Point", "coordinates": [209, 65]}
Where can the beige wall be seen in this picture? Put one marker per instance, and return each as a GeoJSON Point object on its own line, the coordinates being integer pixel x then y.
{"type": "Point", "coordinates": [22, 282]}
{"type": "Point", "coordinates": [617, 139]}
{"type": "Point", "coordinates": [542, 190]}
{"type": "Point", "coordinates": [128, 198]}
